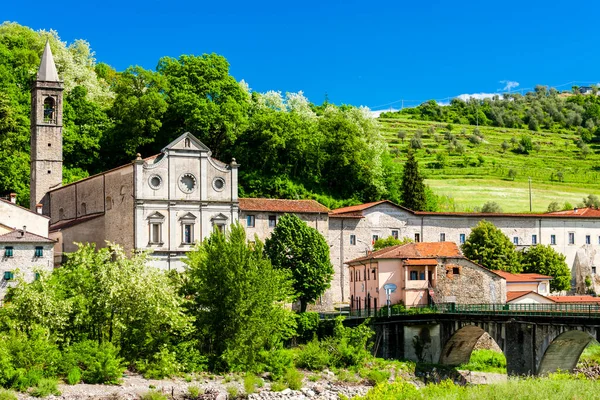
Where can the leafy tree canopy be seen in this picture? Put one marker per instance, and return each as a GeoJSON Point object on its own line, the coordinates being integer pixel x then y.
{"type": "Point", "coordinates": [488, 246]}
{"type": "Point", "coordinates": [237, 299]}
{"type": "Point", "coordinates": [545, 260]}
{"type": "Point", "coordinates": [303, 251]}
{"type": "Point", "coordinates": [389, 242]}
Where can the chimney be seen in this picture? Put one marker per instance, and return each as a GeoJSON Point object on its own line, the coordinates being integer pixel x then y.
{"type": "Point", "coordinates": [13, 198]}
{"type": "Point", "coordinates": [39, 207]}
{"type": "Point", "coordinates": [575, 210]}
{"type": "Point", "coordinates": [24, 230]}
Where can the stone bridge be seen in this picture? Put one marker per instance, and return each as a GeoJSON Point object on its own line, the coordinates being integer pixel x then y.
{"type": "Point", "coordinates": [532, 345]}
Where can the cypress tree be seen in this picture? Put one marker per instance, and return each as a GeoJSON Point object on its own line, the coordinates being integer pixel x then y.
{"type": "Point", "coordinates": [413, 188]}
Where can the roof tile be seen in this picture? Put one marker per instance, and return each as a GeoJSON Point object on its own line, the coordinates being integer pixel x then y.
{"type": "Point", "coordinates": [282, 206]}
{"type": "Point", "coordinates": [524, 277]}
{"type": "Point", "coordinates": [21, 236]}
{"type": "Point", "coordinates": [414, 250]}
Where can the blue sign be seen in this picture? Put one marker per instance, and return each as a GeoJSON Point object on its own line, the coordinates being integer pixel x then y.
{"type": "Point", "coordinates": [389, 287]}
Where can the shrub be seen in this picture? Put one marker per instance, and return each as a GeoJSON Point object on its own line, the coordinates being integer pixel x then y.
{"type": "Point", "coordinates": [232, 392]}
{"type": "Point", "coordinates": [474, 139]}
{"type": "Point", "coordinates": [293, 378]}
{"type": "Point", "coordinates": [7, 395]}
{"type": "Point", "coordinates": [189, 357]}
{"type": "Point", "coordinates": [193, 392]}
{"type": "Point", "coordinates": [415, 143]}
{"type": "Point", "coordinates": [375, 376]}
{"type": "Point", "coordinates": [153, 395]}
{"type": "Point", "coordinates": [33, 351]}
{"type": "Point", "coordinates": [46, 387]}
{"type": "Point", "coordinates": [277, 361]}
{"type": "Point", "coordinates": [74, 376]}
{"type": "Point", "coordinates": [313, 356]}
{"type": "Point", "coordinates": [162, 365]}
{"type": "Point", "coordinates": [250, 383]}
{"type": "Point", "coordinates": [486, 361]}
{"type": "Point", "coordinates": [278, 386]}
{"type": "Point", "coordinates": [308, 323]}
{"type": "Point", "coordinates": [99, 363]}
{"type": "Point", "coordinates": [23, 379]}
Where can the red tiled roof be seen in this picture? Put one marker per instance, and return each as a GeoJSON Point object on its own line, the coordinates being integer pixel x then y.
{"type": "Point", "coordinates": [414, 250]}
{"type": "Point", "coordinates": [578, 212]}
{"type": "Point", "coordinates": [421, 261]}
{"type": "Point", "coordinates": [575, 299]}
{"type": "Point", "coordinates": [20, 236]}
{"type": "Point", "coordinates": [525, 277]}
{"type": "Point", "coordinates": [72, 222]}
{"type": "Point", "coordinates": [510, 296]}
{"type": "Point", "coordinates": [282, 206]}
{"type": "Point", "coordinates": [355, 212]}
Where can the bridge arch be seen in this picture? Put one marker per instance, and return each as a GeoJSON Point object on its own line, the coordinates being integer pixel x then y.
{"type": "Point", "coordinates": [459, 347]}
{"type": "Point", "coordinates": [564, 352]}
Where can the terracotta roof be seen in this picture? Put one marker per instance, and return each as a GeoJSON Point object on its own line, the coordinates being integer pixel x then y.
{"type": "Point", "coordinates": [283, 206]}
{"type": "Point", "coordinates": [575, 299]}
{"type": "Point", "coordinates": [510, 296]}
{"type": "Point", "coordinates": [23, 208]}
{"type": "Point", "coordinates": [72, 222]}
{"type": "Point", "coordinates": [578, 212]}
{"type": "Point", "coordinates": [421, 261]}
{"type": "Point", "coordinates": [356, 212]}
{"type": "Point", "coordinates": [525, 277]}
{"type": "Point", "coordinates": [20, 236]}
{"type": "Point", "coordinates": [414, 250]}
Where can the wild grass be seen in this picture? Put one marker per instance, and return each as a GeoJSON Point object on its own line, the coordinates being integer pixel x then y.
{"type": "Point", "coordinates": [553, 387]}
{"type": "Point", "coordinates": [486, 361]}
{"type": "Point", "coordinates": [558, 170]}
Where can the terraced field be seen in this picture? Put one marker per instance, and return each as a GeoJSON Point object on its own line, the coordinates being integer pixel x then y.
{"type": "Point", "coordinates": [473, 173]}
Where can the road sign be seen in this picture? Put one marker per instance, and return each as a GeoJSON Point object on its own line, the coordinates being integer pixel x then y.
{"type": "Point", "coordinates": [389, 287]}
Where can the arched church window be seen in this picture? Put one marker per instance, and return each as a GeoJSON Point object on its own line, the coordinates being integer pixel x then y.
{"type": "Point", "coordinates": [187, 142]}
{"type": "Point", "coordinates": [49, 110]}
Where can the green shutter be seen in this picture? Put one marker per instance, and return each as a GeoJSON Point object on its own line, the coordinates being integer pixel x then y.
{"type": "Point", "coordinates": [8, 275]}
{"type": "Point", "coordinates": [39, 251]}
{"type": "Point", "coordinates": [8, 251]}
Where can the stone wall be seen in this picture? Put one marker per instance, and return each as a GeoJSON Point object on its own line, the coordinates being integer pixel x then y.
{"type": "Point", "coordinates": [25, 262]}
{"type": "Point", "coordinates": [472, 285]}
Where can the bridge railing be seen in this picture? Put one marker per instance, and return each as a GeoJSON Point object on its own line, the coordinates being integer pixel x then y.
{"type": "Point", "coordinates": [581, 309]}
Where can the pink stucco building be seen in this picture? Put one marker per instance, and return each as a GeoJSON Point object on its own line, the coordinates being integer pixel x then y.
{"type": "Point", "coordinates": [423, 273]}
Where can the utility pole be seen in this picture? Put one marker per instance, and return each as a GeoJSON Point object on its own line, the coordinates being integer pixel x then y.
{"type": "Point", "coordinates": [530, 206]}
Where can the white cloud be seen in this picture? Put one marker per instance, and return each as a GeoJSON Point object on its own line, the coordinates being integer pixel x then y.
{"type": "Point", "coordinates": [478, 96]}
{"type": "Point", "coordinates": [509, 85]}
{"type": "Point", "coordinates": [376, 114]}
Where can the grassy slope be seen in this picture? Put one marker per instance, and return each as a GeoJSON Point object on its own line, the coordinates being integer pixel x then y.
{"type": "Point", "coordinates": [473, 185]}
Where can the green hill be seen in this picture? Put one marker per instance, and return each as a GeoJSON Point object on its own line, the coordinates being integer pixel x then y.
{"type": "Point", "coordinates": [473, 171]}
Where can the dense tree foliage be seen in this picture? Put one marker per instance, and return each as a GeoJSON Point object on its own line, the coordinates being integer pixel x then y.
{"type": "Point", "coordinates": [542, 108]}
{"type": "Point", "coordinates": [413, 188]}
{"type": "Point", "coordinates": [303, 252]}
{"type": "Point", "coordinates": [389, 242]}
{"type": "Point", "coordinates": [488, 246]}
{"type": "Point", "coordinates": [546, 261]}
{"type": "Point", "coordinates": [237, 298]}
{"type": "Point", "coordinates": [288, 147]}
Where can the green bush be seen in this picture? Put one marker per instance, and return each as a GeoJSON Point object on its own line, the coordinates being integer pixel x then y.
{"type": "Point", "coordinates": [375, 376]}
{"type": "Point", "coordinates": [7, 395]}
{"type": "Point", "coordinates": [74, 376]}
{"type": "Point", "coordinates": [162, 365]}
{"type": "Point", "coordinates": [232, 392]}
{"type": "Point", "coordinates": [277, 361]}
{"type": "Point", "coordinates": [308, 323]}
{"type": "Point", "coordinates": [98, 363]}
{"type": "Point", "coordinates": [189, 357]}
{"type": "Point", "coordinates": [293, 378]}
{"type": "Point", "coordinates": [35, 351]}
{"type": "Point", "coordinates": [313, 356]}
{"type": "Point", "coordinates": [194, 392]}
{"type": "Point", "coordinates": [154, 395]}
{"type": "Point", "coordinates": [251, 381]}
{"type": "Point", "coordinates": [46, 387]}
{"type": "Point", "coordinates": [278, 386]}
{"type": "Point", "coordinates": [23, 379]}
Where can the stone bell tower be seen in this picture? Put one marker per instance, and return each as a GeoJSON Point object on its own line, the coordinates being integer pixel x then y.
{"type": "Point", "coordinates": [46, 132]}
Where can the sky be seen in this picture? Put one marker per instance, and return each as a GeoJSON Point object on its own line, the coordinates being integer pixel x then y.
{"type": "Point", "coordinates": [380, 54]}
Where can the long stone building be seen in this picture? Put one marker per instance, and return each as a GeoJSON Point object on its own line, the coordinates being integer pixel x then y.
{"type": "Point", "coordinates": [167, 202]}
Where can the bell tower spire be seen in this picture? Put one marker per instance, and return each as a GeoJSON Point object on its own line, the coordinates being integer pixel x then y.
{"type": "Point", "coordinates": [46, 131]}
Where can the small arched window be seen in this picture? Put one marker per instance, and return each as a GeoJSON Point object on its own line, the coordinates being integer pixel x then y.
{"type": "Point", "coordinates": [83, 208]}
{"type": "Point", "coordinates": [61, 214]}
{"type": "Point", "coordinates": [108, 203]}
{"type": "Point", "coordinates": [49, 110]}
{"type": "Point", "coordinates": [187, 142]}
